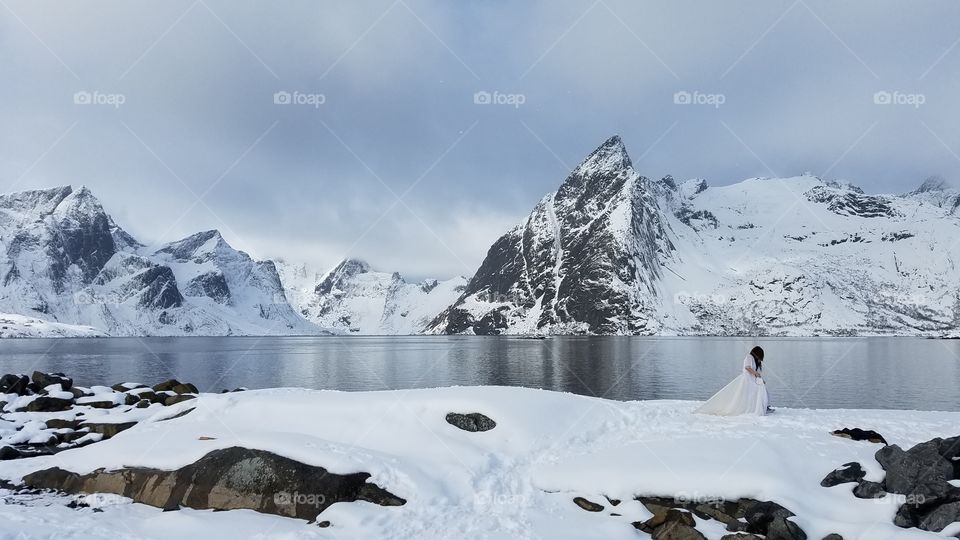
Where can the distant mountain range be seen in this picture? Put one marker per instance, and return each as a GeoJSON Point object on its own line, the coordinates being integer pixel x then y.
{"type": "Point", "coordinates": [610, 252]}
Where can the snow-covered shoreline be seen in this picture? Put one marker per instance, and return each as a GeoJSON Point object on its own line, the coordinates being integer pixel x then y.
{"type": "Point", "coordinates": [516, 480]}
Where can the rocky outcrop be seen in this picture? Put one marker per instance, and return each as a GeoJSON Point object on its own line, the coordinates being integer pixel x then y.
{"type": "Point", "coordinates": [746, 518]}
{"type": "Point", "coordinates": [472, 422]}
{"type": "Point", "coordinates": [227, 479]}
{"type": "Point", "coordinates": [64, 416]}
{"type": "Point", "coordinates": [922, 474]}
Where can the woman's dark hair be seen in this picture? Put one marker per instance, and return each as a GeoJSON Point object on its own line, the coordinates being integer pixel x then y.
{"type": "Point", "coordinates": [757, 354]}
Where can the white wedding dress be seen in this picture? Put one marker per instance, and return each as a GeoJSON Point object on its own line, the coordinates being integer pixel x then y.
{"type": "Point", "coordinates": [744, 395]}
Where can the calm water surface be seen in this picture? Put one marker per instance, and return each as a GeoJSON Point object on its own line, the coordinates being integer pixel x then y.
{"type": "Point", "coordinates": [894, 373]}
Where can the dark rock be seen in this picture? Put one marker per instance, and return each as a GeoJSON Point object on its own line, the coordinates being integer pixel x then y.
{"type": "Point", "coordinates": [100, 404]}
{"type": "Point", "coordinates": [148, 395]}
{"type": "Point", "coordinates": [143, 404]}
{"type": "Point", "coordinates": [126, 387]}
{"type": "Point", "coordinates": [677, 531]}
{"type": "Point", "coordinates": [741, 536]}
{"type": "Point", "coordinates": [472, 422]}
{"type": "Point", "coordinates": [850, 472]}
{"type": "Point", "coordinates": [760, 514]}
{"type": "Point", "coordinates": [941, 516]}
{"type": "Point", "coordinates": [589, 506]}
{"type": "Point", "coordinates": [722, 511]}
{"type": "Point", "coordinates": [14, 384]}
{"type": "Point", "coordinates": [869, 490]}
{"type": "Point", "coordinates": [173, 400]}
{"type": "Point", "coordinates": [43, 380]}
{"type": "Point", "coordinates": [227, 479]}
{"type": "Point", "coordinates": [920, 471]}
{"type": "Point", "coordinates": [107, 429]}
{"type": "Point", "coordinates": [49, 404]}
{"type": "Point", "coordinates": [165, 385]}
{"type": "Point", "coordinates": [783, 529]}
{"type": "Point", "coordinates": [8, 452]}
{"type": "Point", "coordinates": [833, 536]}
{"type": "Point", "coordinates": [60, 423]}
{"type": "Point", "coordinates": [185, 388]}
{"type": "Point", "coordinates": [858, 434]}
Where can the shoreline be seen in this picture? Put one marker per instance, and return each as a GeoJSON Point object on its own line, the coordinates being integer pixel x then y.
{"type": "Point", "coordinates": [543, 468]}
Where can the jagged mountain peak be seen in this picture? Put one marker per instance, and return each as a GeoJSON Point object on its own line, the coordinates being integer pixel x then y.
{"type": "Point", "coordinates": [610, 156]}
{"type": "Point", "coordinates": [194, 244]}
{"type": "Point", "coordinates": [933, 183]}
{"type": "Point", "coordinates": [347, 268]}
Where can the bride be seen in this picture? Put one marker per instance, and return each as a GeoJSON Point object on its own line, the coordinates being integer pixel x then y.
{"type": "Point", "coordinates": [747, 394]}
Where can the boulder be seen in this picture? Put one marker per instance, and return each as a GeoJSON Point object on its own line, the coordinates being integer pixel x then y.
{"type": "Point", "coordinates": [185, 388]}
{"type": "Point", "coordinates": [43, 380]}
{"type": "Point", "coordinates": [472, 422]}
{"type": "Point", "coordinates": [587, 505]}
{"type": "Point", "coordinates": [833, 536]}
{"type": "Point", "coordinates": [61, 423]}
{"type": "Point", "coordinates": [677, 531]}
{"type": "Point", "coordinates": [858, 434]}
{"type": "Point", "coordinates": [107, 429]}
{"type": "Point", "coordinates": [14, 384]}
{"type": "Point", "coordinates": [165, 385]}
{"type": "Point", "coordinates": [143, 404]}
{"type": "Point", "coordinates": [849, 472]}
{"type": "Point", "coordinates": [920, 471]}
{"type": "Point", "coordinates": [941, 516]}
{"type": "Point", "coordinates": [761, 514]}
{"type": "Point", "coordinates": [49, 404]}
{"type": "Point", "coordinates": [173, 400]}
{"type": "Point", "coordinates": [783, 529]}
{"type": "Point", "coordinates": [869, 490]}
{"type": "Point", "coordinates": [8, 452]}
{"type": "Point", "coordinates": [227, 479]}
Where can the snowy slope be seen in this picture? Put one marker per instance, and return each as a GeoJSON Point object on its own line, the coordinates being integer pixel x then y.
{"type": "Point", "coordinates": [64, 261]}
{"type": "Point", "coordinates": [355, 299]}
{"type": "Point", "coordinates": [516, 481]}
{"type": "Point", "coordinates": [612, 252]}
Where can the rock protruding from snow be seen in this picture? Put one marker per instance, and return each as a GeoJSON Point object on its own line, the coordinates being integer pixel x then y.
{"type": "Point", "coordinates": [227, 479]}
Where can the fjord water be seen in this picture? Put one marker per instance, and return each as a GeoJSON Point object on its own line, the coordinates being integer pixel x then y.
{"type": "Point", "coordinates": [881, 373]}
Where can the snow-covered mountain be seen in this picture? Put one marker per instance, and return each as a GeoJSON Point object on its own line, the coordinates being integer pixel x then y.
{"type": "Point", "coordinates": [355, 299]}
{"type": "Point", "coordinates": [612, 252]}
{"type": "Point", "coordinates": [65, 262]}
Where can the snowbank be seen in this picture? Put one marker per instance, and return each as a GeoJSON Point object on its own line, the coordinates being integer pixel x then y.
{"type": "Point", "coordinates": [517, 480]}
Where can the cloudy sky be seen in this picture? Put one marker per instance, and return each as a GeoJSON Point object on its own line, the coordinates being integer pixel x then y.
{"type": "Point", "coordinates": [168, 109]}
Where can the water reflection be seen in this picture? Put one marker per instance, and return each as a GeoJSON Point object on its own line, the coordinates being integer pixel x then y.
{"type": "Point", "coordinates": [820, 373]}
